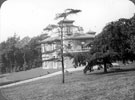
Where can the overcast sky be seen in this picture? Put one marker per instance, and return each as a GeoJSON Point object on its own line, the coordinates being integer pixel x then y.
{"type": "Point", "coordinates": [29, 17]}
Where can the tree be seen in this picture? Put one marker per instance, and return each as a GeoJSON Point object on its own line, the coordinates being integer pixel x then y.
{"type": "Point", "coordinates": [116, 42]}
{"type": "Point", "coordinates": [8, 53]}
{"type": "Point", "coordinates": [16, 54]}
{"type": "Point", "coordinates": [32, 53]}
{"type": "Point", "coordinates": [101, 52]}
{"type": "Point", "coordinates": [50, 27]}
{"type": "Point", "coordinates": [64, 15]}
{"type": "Point", "coordinates": [20, 44]}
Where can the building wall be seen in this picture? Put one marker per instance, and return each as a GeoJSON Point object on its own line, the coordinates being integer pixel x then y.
{"type": "Point", "coordinates": [75, 45]}
{"type": "Point", "coordinates": [57, 64]}
{"type": "Point", "coordinates": [52, 50]}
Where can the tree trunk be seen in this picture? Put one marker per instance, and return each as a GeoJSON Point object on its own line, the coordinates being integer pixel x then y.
{"type": "Point", "coordinates": [105, 68]}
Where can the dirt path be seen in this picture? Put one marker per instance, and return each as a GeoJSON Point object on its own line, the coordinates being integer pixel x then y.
{"type": "Point", "coordinates": [41, 77]}
{"type": "Point", "coordinates": [34, 79]}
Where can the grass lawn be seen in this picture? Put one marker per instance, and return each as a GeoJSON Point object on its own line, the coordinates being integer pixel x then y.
{"type": "Point", "coordinates": [115, 85]}
{"type": "Point", "coordinates": [23, 75]}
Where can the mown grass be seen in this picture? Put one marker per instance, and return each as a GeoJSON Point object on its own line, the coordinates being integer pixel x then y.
{"type": "Point", "coordinates": [24, 75]}
{"type": "Point", "coordinates": [115, 85]}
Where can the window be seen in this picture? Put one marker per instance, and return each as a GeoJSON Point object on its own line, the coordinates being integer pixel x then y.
{"type": "Point", "coordinates": [69, 32]}
{"type": "Point", "coordinates": [82, 45]}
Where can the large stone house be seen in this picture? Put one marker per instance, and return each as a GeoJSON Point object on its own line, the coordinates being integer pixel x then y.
{"type": "Point", "coordinates": [74, 41]}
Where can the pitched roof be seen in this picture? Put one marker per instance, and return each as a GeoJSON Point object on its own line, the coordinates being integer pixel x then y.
{"type": "Point", "coordinates": [65, 21]}
{"type": "Point", "coordinates": [51, 39]}
{"type": "Point", "coordinates": [76, 36]}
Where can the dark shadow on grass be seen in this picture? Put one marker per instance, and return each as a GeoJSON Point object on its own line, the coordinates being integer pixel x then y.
{"type": "Point", "coordinates": [10, 82]}
{"type": "Point", "coordinates": [115, 71]}
{"type": "Point", "coordinates": [2, 76]}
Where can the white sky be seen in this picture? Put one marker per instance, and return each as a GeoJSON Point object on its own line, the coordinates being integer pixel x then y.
{"type": "Point", "coordinates": [29, 17]}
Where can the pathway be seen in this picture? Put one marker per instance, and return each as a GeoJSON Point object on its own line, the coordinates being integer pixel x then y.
{"type": "Point", "coordinates": [41, 77]}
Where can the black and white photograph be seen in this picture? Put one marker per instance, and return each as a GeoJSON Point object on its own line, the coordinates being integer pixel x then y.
{"type": "Point", "coordinates": [67, 49]}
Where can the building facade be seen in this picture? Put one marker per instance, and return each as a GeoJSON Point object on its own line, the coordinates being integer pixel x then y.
{"type": "Point", "coordinates": [74, 41]}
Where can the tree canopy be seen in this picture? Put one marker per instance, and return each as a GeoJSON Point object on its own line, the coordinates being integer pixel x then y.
{"type": "Point", "coordinates": [116, 42]}
{"type": "Point", "coordinates": [20, 54]}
